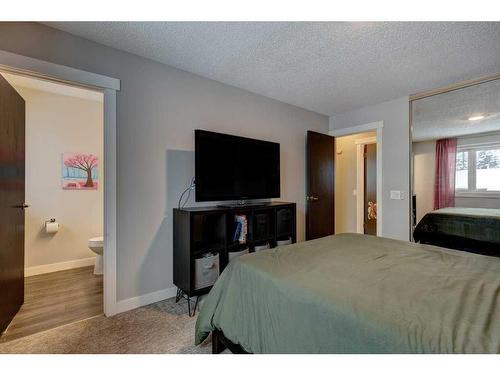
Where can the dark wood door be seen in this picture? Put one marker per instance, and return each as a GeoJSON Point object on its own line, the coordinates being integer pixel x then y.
{"type": "Point", "coordinates": [11, 203]}
{"type": "Point", "coordinates": [370, 189]}
{"type": "Point", "coordinates": [320, 214]}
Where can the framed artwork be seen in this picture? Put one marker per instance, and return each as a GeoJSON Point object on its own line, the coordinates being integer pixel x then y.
{"type": "Point", "coordinates": [79, 171]}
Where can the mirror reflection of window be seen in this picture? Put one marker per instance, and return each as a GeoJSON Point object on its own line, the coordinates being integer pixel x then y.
{"type": "Point", "coordinates": [488, 169]}
{"type": "Point", "coordinates": [483, 175]}
{"type": "Point", "coordinates": [461, 176]}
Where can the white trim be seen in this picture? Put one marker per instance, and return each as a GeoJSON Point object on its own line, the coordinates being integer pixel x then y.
{"type": "Point", "coordinates": [366, 141]}
{"type": "Point", "coordinates": [61, 266]}
{"type": "Point", "coordinates": [110, 210]}
{"type": "Point", "coordinates": [378, 127]}
{"type": "Point", "coordinates": [145, 299]}
{"type": "Point", "coordinates": [360, 181]}
{"type": "Point", "coordinates": [477, 194]}
{"type": "Point", "coordinates": [478, 145]}
{"type": "Point", "coordinates": [379, 182]}
{"type": "Point", "coordinates": [42, 69]}
{"type": "Point", "coordinates": [357, 129]}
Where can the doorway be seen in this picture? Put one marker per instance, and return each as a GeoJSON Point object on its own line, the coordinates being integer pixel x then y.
{"type": "Point", "coordinates": [14, 63]}
{"type": "Point", "coordinates": [356, 187]}
{"type": "Point", "coordinates": [58, 130]}
{"type": "Point", "coordinates": [358, 179]}
{"type": "Point", "coordinates": [30, 67]}
{"type": "Point", "coordinates": [337, 198]}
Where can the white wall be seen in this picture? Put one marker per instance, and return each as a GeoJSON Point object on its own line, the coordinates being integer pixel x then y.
{"type": "Point", "coordinates": [395, 159]}
{"type": "Point", "coordinates": [345, 181]}
{"type": "Point", "coordinates": [158, 108]}
{"type": "Point", "coordinates": [57, 124]}
{"type": "Point", "coordinates": [424, 167]}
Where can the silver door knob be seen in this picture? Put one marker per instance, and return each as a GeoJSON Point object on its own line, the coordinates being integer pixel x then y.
{"type": "Point", "coordinates": [311, 198]}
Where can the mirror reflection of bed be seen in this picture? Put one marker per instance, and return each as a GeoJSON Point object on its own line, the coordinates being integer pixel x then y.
{"type": "Point", "coordinates": [456, 169]}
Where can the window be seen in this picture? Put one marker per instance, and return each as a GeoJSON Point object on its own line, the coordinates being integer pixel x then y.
{"type": "Point", "coordinates": [461, 179]}
{"type": "Point", "coordinates": [478, 171]}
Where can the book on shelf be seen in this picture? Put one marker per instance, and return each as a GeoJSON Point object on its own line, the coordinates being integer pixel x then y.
{"type": "Point", "coordinates": [236, 231]}
{"type": "Point", "coordinates": [240, 229]}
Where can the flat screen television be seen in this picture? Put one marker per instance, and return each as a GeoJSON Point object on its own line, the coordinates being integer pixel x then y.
{"type": "Point", "coordinates": [228, 167]}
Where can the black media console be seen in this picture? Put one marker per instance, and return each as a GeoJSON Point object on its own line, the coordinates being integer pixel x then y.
{"type": "Point", "coordinates": [204, 240]}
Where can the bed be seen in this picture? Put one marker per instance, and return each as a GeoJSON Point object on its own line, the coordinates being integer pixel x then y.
{"type": "Point", "coordinates": [352, 293]}
{"type": "Point", "coordinates": [475, 230]}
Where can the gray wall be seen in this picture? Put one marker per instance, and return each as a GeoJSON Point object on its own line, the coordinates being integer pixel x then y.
{"type": "Point", "coordinates": [395, 159]}
{"type": "Point", "coordinates": [158, 108]}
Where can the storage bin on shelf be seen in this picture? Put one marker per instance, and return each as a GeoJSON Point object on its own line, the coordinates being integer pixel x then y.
{"type": "Point", "coordinates": [284, 242]}
{"type": "Point", "coordinates": [206, 270]}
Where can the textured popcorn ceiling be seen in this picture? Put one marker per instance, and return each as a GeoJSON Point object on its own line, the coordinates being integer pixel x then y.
{"type": "Point", "coordinates": [447, 115]}
{"type": "Point", "coordinates": [328, 67]}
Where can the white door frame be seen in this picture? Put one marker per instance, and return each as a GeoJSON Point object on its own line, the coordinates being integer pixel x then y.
{"type": "Point", "coordinates": [14, 63]}
{"type": "Point", "coordinates": [360, 181]}
{"type": "Point", "coordinates": [372, 126]}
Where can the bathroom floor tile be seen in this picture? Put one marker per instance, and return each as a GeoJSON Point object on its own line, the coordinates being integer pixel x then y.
{"type": "Point", "coordinates": [55, 299]}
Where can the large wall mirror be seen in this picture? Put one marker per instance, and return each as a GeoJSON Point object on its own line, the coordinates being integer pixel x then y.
{"type": "Point", "coordinates": [456, 168]}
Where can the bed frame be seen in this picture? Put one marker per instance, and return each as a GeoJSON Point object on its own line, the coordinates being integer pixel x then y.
{"type": "Point", "coordinates": [221, 342]}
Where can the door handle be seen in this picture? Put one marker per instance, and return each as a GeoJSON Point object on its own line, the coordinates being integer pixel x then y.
{"type": "Point", "coordinates": [312, 198]}
{"type": "Point", "coordinates": [21, 206]}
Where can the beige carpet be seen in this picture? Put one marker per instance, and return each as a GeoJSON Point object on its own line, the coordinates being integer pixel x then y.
{"type": "Point", "coordinates": [163, 327]}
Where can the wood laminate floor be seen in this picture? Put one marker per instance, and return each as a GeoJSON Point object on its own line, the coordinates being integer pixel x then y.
{"type": "Point", "coordinates": [55, 299]}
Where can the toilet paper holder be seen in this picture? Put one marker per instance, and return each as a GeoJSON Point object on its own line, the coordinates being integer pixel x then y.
{"type": "Point", "coordinates": [51, 226]}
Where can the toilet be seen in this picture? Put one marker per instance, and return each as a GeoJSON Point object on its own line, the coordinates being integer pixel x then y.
{"type": "Point", "coordinates": [96, 244]}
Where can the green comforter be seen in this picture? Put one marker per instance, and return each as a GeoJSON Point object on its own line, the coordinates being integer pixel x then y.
{"type": "Point", "coordinates": [352, 293]}
{"type": "Point", "coordinates": [478, 224]}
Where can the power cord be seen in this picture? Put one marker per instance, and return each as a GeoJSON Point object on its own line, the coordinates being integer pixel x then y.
{"type": "Point", "coordinates": [188, 190]}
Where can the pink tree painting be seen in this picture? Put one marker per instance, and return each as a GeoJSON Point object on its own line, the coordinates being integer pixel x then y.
{"type": "Point", "coordinates": [79, 171]}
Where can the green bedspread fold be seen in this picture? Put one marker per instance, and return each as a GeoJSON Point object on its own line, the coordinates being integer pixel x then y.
{"type": "Point", "coordinates": [352, 293]}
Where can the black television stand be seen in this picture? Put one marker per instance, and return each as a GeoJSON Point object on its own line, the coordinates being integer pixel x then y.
{"type": "Point", "coordinates": [202, 231]}
{"type": "Point", "coordinates": [243, 203]}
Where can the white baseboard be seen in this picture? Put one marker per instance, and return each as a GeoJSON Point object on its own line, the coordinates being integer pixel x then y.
{"type": "Point", "coordinates": [46, 268]}
{"type": "Point", "coordinates": [145, 299]}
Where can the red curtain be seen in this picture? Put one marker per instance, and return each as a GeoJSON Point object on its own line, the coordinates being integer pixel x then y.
{"type": "Point", "coordinates": [444, 185]}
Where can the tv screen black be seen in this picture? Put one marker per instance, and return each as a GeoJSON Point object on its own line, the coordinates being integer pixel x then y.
{"type": "Point", "coordinates": [228, 167]}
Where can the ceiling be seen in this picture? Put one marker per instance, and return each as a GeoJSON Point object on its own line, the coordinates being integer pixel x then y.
{"type": "Point", "coordinates": [52, 87]}
{"type": "Point", "coordinates": [447, 115]}
{"type": "Point", "coordinates": [326, 67]}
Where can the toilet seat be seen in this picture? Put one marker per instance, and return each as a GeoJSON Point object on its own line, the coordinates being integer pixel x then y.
{"type": "Point", "coordinates": [96, 241]}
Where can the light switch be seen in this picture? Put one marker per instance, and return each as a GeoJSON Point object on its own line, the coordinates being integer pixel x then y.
{"type": "Point", "coordinates": [396, 194]}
